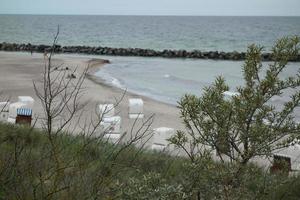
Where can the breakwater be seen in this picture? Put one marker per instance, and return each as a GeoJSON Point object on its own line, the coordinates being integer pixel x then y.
{"type": "Point", "coordinates": [216, 55]}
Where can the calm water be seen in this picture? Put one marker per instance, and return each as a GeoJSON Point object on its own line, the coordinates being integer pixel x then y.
{"type": "Point", "coordinates": [168, 79]}
{"type": "Point", "coordinates": [162, 79]}
{"type": "Point", "coordinates": [204, 33]}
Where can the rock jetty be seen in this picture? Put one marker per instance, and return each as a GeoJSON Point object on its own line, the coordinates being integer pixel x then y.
{"type": "Point", "coordinates": [216, 55]}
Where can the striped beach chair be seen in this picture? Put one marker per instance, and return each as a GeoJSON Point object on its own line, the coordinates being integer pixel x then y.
{"type": "Point", "coordinates": [24, 116]}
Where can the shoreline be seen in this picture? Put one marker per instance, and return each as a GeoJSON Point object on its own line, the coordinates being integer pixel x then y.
{"type": "Point", "coordinates": [25, 68]}
{"type": "Point", "coordinates": [140, 52]}
{"type": "Point", "coordinates": [96, 64]}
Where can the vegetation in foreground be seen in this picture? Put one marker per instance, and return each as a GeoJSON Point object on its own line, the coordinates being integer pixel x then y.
{"type": "Point", "coordinates": [93, 170]}
{"type": "Point", "coordinates": [52, 164]}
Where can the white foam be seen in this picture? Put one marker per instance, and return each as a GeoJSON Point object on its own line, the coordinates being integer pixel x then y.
{"type": "Point", "coordinates": [115, 82]}
{"type": "Point", "coordinates": [109, 79]}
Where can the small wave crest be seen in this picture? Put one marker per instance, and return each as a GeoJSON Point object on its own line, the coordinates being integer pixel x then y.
{"type": "Point", "coordinates": [109, 79]}
{"type": "Point", "coordinates": [115, 82]}
{"type": "Point", "coordinates": [184, 81]}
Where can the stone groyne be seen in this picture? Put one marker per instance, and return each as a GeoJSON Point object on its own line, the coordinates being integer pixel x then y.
{"type": "Point", "coordinates": [216, 55]}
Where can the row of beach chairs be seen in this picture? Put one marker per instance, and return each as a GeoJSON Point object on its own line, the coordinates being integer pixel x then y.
{"type": "Point", "coordinates": [111, 124]}
{"type": "Point", "coordinates": [21, 112]}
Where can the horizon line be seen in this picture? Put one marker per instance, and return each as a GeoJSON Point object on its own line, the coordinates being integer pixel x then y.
{"type": "Point", "coordinates": [150, 15]}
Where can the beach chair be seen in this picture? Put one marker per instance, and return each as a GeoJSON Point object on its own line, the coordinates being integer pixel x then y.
{"type": "Point", "coordinates": [111, 126]}
{"type": "Point", "coordinates": [160, 137]}
{"type": "Point", "coordinates": [27, 100]}
{"type": "Point", "coordinates": [13, 110]}
{"type": "Point", "coordinates": [106, 110]}
{"type": "Point", "coordinates": [136, 108]}
{"type": "Point", "coordinates": [24, 116]}
{"type": "Point", "coordinates": [290, 156]}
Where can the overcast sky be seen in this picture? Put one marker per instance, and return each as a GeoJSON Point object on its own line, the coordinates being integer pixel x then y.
{"type": "Point", "coordinates": [153, 7]}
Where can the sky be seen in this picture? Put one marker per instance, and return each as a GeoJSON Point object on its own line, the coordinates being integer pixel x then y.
{"type": "Point", "coordinates": [153, 7]}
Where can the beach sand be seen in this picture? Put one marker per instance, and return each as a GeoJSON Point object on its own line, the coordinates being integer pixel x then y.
{"type": "Point", "coordinates": [19, 70]}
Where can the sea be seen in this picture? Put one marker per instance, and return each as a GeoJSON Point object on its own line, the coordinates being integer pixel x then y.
{"type": "Point", "coordinates": [166, 80]}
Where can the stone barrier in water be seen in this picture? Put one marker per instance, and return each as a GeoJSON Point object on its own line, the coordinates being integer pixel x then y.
{"type": "Point", "coordinates": [216, 55]}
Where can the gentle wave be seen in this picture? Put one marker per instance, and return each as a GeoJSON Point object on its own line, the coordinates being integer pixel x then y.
{"type": "Point", "coordinates": [110, 80]}
{"type": "Point", "coordinates": [185, 81]}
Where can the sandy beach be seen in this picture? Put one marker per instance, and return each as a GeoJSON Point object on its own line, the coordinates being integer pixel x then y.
{"type": "Point", "coordinates": [19, 70]}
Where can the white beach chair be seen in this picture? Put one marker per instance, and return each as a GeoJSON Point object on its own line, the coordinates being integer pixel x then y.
{"type": "Point", "coordinates": [106, 110]}
{"type": "Point", "coordinates": [27, 100]}
{"type": "Point", "coordinates": [292, 152]}
{"type": "Point", "coordinates": [160, 138]}
{"type": "Point", "coordinates": [111, 124]}
{"type": "Point", "coordinates": [136, 108]}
